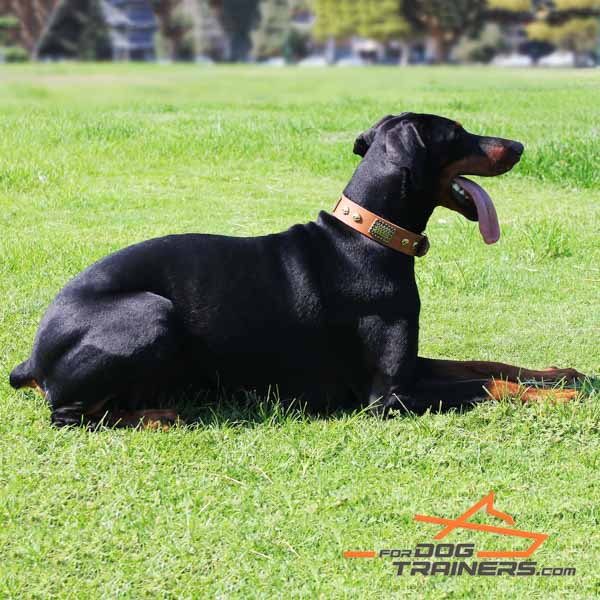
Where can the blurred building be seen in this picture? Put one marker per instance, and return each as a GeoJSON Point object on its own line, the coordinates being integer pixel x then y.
{"type": "Point", "coordinates": [98, 29]}
{"type": "Point", "coordinates": [131, 27]}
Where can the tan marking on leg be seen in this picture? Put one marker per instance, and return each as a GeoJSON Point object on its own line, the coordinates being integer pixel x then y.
{"type": "Point", "coordinates": [146, 419]}
{"type": "Point", "coordinates": [32, 383]}
{"type": "Point", "coordinates": [499, 390]}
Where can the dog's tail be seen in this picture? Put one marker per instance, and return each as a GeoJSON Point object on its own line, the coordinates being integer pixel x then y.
{"type": "Point", "coordinates": [22, 375]}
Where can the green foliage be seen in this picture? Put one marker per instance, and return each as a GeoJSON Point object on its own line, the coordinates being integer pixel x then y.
{"type": "Point", "coordinates": [175, 25]}
{"type": "Point", "coordinates": [445, 20]}
{"type": "Point", "coordinates": [13, 54]}
{"type": "Point", "coordinates": [546, 240]}
{"type": "Point", "coordinates": [576, 35]}
{"type": "Point", "coordinates": [381, 20]}
{"type": "Point", "coordinates": [579, 35]}
{"type": "Point", "coordinates": [334, 19]}
{"type": "Point", "coordinates": [9, 28]}
{"type": "Point", "coordinates": [481, 48]}
{"type": "Point", "coordinates": [238, 18]}
{"type": "Point", "coordinates": [451, 18]}
{"type": "Point", "coordinates": [297, 45]}
{"type": "Point", "coordinates": [510, 5]}
{"type": "Point", "coordinates": [577, 4]}
{"type": "Point", "coordinates": [79, 34]}
{"type": "Point", "coordinates": [8, 22]}
{"type": "Point", "coordinates": [269, 38]}
{"type": "Point", "coordinates": [93, 40]}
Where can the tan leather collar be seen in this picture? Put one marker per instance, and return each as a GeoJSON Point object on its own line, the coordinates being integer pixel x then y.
{"type": "Point", "coordinates": [379, 229]}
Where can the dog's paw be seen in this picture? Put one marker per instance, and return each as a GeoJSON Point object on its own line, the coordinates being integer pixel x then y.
{"type": "Point", "coordinates": [570, 375]}
{"type": "Point", "coordinates": [162, 420]}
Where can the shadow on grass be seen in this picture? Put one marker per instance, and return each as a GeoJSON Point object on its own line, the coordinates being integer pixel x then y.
{"type": "Point", "coordinates": [249, 408]}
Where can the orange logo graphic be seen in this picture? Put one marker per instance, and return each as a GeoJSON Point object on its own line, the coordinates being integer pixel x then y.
{"type": "Point", "coordinates": [462, 521]}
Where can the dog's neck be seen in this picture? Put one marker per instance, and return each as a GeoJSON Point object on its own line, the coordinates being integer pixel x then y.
{"type": "Point", "coordinates": [386, 193]}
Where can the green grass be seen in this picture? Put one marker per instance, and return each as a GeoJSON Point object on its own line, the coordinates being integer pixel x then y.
{"type": "Point", "coordinates": [254, 503]}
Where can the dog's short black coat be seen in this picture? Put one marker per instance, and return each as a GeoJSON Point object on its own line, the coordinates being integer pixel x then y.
{"type": "Point", "coordinates": [318, 309]}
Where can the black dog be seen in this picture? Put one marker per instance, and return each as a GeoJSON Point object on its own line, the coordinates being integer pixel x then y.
{"type": "Point", "coordinates": [320, 309]}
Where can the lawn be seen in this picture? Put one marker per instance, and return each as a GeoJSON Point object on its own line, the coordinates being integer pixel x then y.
{"type": "Point", "coordinates": [253, 503]}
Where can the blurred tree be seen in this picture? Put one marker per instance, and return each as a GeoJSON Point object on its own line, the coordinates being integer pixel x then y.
{"type": "Point", "coordinates": [299, 40]}
{"type": "Point", "coordinates": [445, 21]}
{"type": "Point", "coordinates": [10, 51]}
{"type": "Point", "coordinates": [9, 29]}
{"type": "Point", "coordinates": [577, 4]}
{"type": "Point", "coordinates": [509, 11]}
{"type": "Point", "coordinates": [331, 21]}
{"type": "Point", "coordinates": [576, 35]}
{"type": "Point", "coordinates": [551, 10]}
{"type": "Point", "coordinates": [297, 45]}
{"type": "Point", "coordinates": [174, 25]}
{"type": "Point", "coordinates": [564, 10]}
{"type": "Point", "coordinates": [205, 38]}
{"type": "Point", "coordinates": [482, 48]}
{"type": "Point", "coordinates": [510, 5]}
{"type": "Point", "coordinates": [381, 20]}
{"type": "Point", "coordinates": [33, 16]}
{"type": "Point", "coordinates": [335, 20]}
{"type": "Point", "coordinates": [237, 17]}
{"type": "Point", "coordinates": [271, 35]}
{"type": "Point", "coordinates": [76, 29]}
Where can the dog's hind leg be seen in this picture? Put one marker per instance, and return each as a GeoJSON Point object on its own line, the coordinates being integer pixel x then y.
{"type": "Point", "coordinates": [127, 347]}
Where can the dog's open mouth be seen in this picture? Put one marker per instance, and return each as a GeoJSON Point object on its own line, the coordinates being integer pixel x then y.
{"type": "Point", "coordinates": [476, 205]}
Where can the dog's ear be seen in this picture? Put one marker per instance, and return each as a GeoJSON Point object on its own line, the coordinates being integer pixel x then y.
{"type": "Point", "coordinates": [405, 147]}
{"type": "Point", "coordinates": [364, 140]}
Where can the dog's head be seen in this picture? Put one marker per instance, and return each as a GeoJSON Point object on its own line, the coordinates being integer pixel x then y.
{"type": "Point", "coordinates": [432, 154]}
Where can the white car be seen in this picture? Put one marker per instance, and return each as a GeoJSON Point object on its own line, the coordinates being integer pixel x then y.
{"type": "Point", "coordinates": [512, 60]}
{"type": "Point", "coordinates": [558, 59]}
{"type": "Point", "coordinates": [274, 61]}
{"type": "Point", "coordinates": [313, 61]}
{"type": "Point", "coordinates": [351, 61]}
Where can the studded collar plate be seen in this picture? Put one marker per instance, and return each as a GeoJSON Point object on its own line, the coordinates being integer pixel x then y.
{"type": "Point", "coordinates": [379, 229]}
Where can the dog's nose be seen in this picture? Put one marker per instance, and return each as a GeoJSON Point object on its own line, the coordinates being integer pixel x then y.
{"type": "Point", "coordinates": [517, 148]}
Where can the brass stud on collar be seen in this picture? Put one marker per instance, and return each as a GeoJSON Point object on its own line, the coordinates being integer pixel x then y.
{"type": "Point", "coordinates": [405, 242]}
{"type": "Point", "coordinates": [346, 210]}
{"type": "Point", "coordinates": [415, 244]}
{"type": "Point", "coordinates": [356, 217]}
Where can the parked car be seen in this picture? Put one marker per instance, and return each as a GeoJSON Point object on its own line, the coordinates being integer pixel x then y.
{"type": "Point", "coordinates": [512, 60]}
{"type": "Point", "coordinates": [559, 58]}
{"type": "Point", "coordinates": [351, 61]}
{"type": "Point", "coordinates": [274, 61]}
{"type": "Point", "coordinates": [313, 61]}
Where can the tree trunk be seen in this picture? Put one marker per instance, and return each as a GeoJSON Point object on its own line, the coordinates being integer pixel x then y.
{"type": "Point", "coordinates": [439, 45]}
{"type": "Point", "coordinates": [404, 53]}
{"type": "Point", "coordinates": [330, 50]}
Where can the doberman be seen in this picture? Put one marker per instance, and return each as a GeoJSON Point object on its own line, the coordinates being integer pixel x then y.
{"type": "Point", "coordinates": [329, 310]}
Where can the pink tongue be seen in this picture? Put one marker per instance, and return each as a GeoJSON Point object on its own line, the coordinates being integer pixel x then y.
{"type": "Point", "coordinates": [486, 213]}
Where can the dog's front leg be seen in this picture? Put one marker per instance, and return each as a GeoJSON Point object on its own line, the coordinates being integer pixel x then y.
{"type": "Point", "coordinates": [388, 395]}
{"type": "Point", "coordinates": [391, 352]}
{"type": "Point", "coordinates": [453, 370]}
